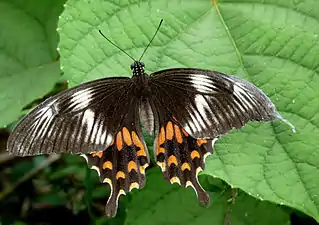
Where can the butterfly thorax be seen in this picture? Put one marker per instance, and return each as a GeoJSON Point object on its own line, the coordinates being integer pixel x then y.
{"type": "Point", "coordinates": [140, 79]}
{"type": "Point", "coordinates": [138, 68]}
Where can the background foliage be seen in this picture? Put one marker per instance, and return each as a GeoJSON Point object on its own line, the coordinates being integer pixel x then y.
{"type": "Point", "coordinates": [272, 43]}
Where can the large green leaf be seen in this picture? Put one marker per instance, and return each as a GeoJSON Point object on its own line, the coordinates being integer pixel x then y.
{"type": "Point", "coordinates": [272, 43]}
{"type": "Point", "coordinates": [169, 204]}
{"type": "Point", "coordinates": [28, 56]}
{"type": "Point", "coordinates": [280, 56]}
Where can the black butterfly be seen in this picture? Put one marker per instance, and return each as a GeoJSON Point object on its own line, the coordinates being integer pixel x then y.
{"type": "Point", "coordinates": [187, 108]}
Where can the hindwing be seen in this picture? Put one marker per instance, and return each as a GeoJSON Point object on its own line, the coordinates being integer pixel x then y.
{"type": "Point", "coordinates": [181, 157]}
{"type": "Point", "coordinates": [122, 165]}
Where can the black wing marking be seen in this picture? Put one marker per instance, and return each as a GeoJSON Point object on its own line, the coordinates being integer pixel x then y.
{"type": "Point", "coordinates": [208, 103]}
{"type": "Point", "coordinates": [82, 119]}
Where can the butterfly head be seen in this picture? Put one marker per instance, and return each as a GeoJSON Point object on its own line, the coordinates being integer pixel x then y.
{"type": "Point", "coordinates": [138, 68]}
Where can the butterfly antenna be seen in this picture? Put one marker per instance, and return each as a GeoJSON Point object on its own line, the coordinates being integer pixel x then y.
{"type": "Point", "coordinates": [116, 45]}
{"type": "Point", "coordinates": [159, 25]}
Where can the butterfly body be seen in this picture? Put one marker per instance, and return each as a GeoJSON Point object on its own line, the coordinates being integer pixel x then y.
{"type": "Point", "coordinates": [186, 109]}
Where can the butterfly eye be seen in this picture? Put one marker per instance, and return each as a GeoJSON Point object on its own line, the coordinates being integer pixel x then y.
{"type": "Point", "coordinates": [132, 66]}
{"type": "Point", "coordinates": [142, 64]}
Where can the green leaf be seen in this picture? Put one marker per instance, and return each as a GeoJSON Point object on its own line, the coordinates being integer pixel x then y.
{"type": "Point", "coordinates": [28, 57]}
{"type": "Point", "coordinates": [169, 204]}
{"type": "Point", "coordinates": [272, 43]}
{"type": "Point", "coordinates": [268, 161]}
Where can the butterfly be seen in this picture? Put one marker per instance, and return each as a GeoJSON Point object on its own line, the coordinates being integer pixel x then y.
{"type": "Point", "coordinates": [187, 110]}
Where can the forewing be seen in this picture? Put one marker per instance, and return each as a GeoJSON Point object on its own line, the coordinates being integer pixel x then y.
{"type": "Point", "coordinates": [207, 103]}
{"type": "Point", "coordinates": [82, 119]}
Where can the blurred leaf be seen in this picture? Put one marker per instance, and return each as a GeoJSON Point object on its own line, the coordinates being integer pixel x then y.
{"type": "Point", "coordinates": [19, 170]}
{"type": "Point", "coordinates": [28, 57]}
{"type": "Point", "coordinates": [101, 221]}
{"type": "Point", "coordinates": [38, 160]}
{"type": "Point", "coordinates": [74, 159]}
{"type": "Point", "coordinates": [278, 55]}
{"type": "Point", "coordinates": [72, 170]}
{"type": "Point", "coordinates": [19, 223]}
{"type": "Point", "coordinates": [54, 199]}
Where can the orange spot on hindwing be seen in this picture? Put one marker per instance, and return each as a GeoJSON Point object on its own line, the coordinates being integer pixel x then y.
{"type": "Point", "coordinates": [160, 150]}
{"type": "Point", "coordinates": [127, 136]}
{"type": "Point", "coordinates": [178, 134]}
{"type": "Point", "coordinates": [195, 154]}
{"type": "Point", "coordinates": [160, 141]}
{"type": "Point", "coordinates": [120, 174]}
{"type": "Point", "coordinates": [132, 166]}
{"type": "Point", "coordinates": [98, 154]}
{"type": "Point", "coordinates": [169, 131]}
{"type": "Point", "coordinates": [140, 153]}
{"type": "Point", "coordinates": [201, 141]}
{"type": "Point", "coordinates": [108, 165]}
{"type": "Point", "coordinates": [119, 141]}
{"type": "Point", "coordinates": [186, 166]}
{"type": "Point", "coordinates": [172, 160]}
{"type": "Point", "coordinates": [139, 144]}
{"type": "Point", "coordinates": [161, 136]}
